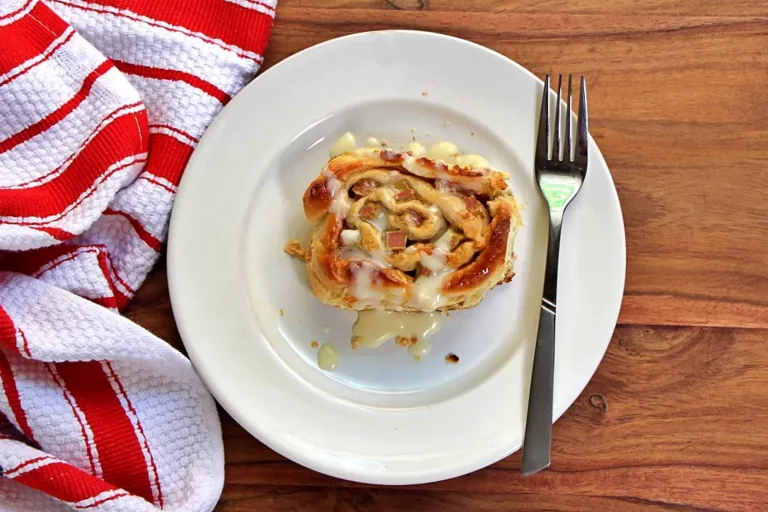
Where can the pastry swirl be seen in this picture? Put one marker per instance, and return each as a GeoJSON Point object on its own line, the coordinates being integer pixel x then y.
{"type": "Point", "coordinates": [401, 232]}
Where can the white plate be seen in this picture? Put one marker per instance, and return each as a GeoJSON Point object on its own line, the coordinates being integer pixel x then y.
{"type": "Point", "coordinates": [381, 417]}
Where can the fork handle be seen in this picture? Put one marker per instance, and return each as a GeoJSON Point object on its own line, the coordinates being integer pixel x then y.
{"type": "Point", "coordinates": [537, 444]}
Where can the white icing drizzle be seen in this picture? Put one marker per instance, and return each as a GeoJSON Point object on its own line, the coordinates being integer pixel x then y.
{"type": "Point", "coordinates": [420, 349]}
{"type": "Point", "coordinates": [370, 152]}
{"type": "Point", "coordinates": [362, 287]}
{"type": "Point", "coordinates": [327, 357]}
{"type": "Point", "coordinates": [341, 203]}
{"type": "Point", "coordinates": [444, 242]}
{"type": "Point", "coordinates": [355, 253]}
{"type": "Point", "coordinates": [475, 161]}
{"type": "Point", "coordinates": [425, 294]}
{"type": "Point", "coordinates": [434, 262]}
{"type": "Point", "coordinates": [445, 151]}
{"type": "Point", "coordinates": [379, 257]}
{"type": "Point", "coordinates": [350, 236]}
{"type": "Point", "coordinates": [343, 144]}
{"type": "Point", "coordinates": [416, 149]}
{"type": "Point", "coordinates": [426, 289]}
{"type": "Point", "coordinates": [380, 221]}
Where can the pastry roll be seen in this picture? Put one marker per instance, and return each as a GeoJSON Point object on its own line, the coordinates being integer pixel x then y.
{"type": "Point", "coordinates": [397, 231]}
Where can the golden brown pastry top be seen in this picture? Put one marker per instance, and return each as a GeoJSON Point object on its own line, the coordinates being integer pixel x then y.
{"type": "Point", "coordinates": [403, 232]}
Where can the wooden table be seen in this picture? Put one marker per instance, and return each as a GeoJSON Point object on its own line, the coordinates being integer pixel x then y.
{"type": "Point", "coordinates": [676, 417]}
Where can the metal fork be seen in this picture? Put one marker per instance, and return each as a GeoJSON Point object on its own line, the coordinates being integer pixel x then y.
{"type": "Point", "coordinates": [560, 179]}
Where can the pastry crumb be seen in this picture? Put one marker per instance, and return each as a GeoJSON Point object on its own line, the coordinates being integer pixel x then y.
{"type": "Point", "coordinates": [355, 341]}
{"type": "Point", "coordinates": [316, 344]}
{"type": "Point", "coordinates": [451, 358]}
{"type": "Point", "coordinates": [403, 341]}
{"type": "Point", "coordinates": [424, 93]}
{"type": "Point", "coordinates": [282, 313]}
{"type": "Point", "coordinates": [294, 248]}
{"type": "Point", "coordinates": [384, 143]}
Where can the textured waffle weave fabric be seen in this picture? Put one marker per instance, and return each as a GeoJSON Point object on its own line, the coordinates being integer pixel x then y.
{"type": "Point", "coordinates": [101, 105]}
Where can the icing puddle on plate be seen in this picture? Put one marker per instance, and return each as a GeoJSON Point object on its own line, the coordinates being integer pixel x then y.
{"type": "Point", "coordinates": [413, 330]}
{"type": "Point", "coordinates": [374, 327]}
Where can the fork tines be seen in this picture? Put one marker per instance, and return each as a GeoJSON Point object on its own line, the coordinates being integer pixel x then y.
{"type": "Point", "coordinates": [560, 152]}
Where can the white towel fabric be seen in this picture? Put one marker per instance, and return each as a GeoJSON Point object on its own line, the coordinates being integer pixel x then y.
{"type": "Point", "coordinates": [101, 104]}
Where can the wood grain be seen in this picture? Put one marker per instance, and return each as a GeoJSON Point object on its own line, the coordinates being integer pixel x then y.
{"type": "Point", "coordinates": [676, 417]}
{"type": "Point", "coordinates": [675, 109]}
{"type": "Point", "coordinates": [285, 498]}
{"type": "Point", "coordinates": [634, 7]}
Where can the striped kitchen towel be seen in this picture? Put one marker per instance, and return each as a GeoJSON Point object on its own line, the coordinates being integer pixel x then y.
{"type": "Point", "coordinates": [101, 105]}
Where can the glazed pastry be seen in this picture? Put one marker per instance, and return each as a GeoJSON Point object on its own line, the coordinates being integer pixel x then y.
{"type": "Point", "coordinates": [400, 231]}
